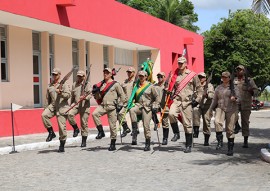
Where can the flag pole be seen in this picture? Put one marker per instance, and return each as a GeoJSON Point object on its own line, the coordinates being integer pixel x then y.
{"type": "Point", "coordinates": [12, 120]}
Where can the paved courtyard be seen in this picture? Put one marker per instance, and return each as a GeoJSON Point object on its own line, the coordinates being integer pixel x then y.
{"type": "Point", "coordinates": [130, 168]}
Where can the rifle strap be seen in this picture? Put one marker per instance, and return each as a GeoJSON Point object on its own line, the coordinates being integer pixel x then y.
{"type": "Point", "coordinates": [183, 83]}
{"type": "Point", "coordinates": [107, 88]}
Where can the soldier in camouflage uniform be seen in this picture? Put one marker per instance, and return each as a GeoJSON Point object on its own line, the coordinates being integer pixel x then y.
{"type": "Point", "coordinates": [57, 106]}
{"type": "Point", "coordinates": [165, 120]}
{"type": "Point", "coordinates": [146, 102]}
{"type": "Point", "coordinates": [127, 86]}
{"type": "Point", "coordinates": [183, 102]}
{"type": "Point", "coordinates": [83, 108]}
{"type": "Point", "coordinates": [225, 103]}
{"type": "Point", "coordinates": [247, 88]}
{"type": "Point", "coordinates": [111, 98]}
{"type": "Point", "coordinates": [203, 110]}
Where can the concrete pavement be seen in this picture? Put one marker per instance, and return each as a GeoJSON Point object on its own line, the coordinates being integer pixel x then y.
{"type": "Point", "coordinates": [130, 168]}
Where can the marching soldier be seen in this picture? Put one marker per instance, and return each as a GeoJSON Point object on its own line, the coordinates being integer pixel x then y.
{"type": "Point", "coordinates": [79, 89]}
{"type": "Point", "coordinates": [107, 93]}
{"type": "Point", "coordinates": [127, 86]}
{"type": "Point", "coordinates": [225, 103]}
{"type": "Point", "coordinates": [187, 82]}
{"type": "Point", "coordinates": [247, 88]}
{"type": "Point", "coordinates": [146, 102]}
{"type": "Point", "coordinates": [203, 110]}
{"type": "Point", "coordinates": [57, 98]}
{"type": "Point", "coordinates": [165, 120]}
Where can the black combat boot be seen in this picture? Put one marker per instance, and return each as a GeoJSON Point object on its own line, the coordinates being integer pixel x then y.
{"type": "Point", "coordinates": [101, 133]}
{"type": "Point", "coordinates": [196, 131]}
{"type": "Point", "coordinates": [230, 146]}
{"type": "Point", "coordinates": [51, 134]}
{"type": "Point", "coordinates": [126, 129]}
{"type": "Point", "coordinates": [219, 136]}
{"type": "Point", "coordinates": [112, 145]}
{"type": "Point", "coordinates": [206, 139]}
{"type": "Point", "coordinates": [62, 146]}
{"type": "Point", "coordinates": [84, 138]}
{"type": "Point", "coordinates": [165, 136]}
{"type": "Point", "coordinates": [134, 133]}
{"type": "Point", "coordinates": [188, 143]}
{"type": "Point", "coordinates": [138, 132]}
{"type": "Point", "coordinates": [237, 127]}
{"type": "Point", "coordinates": [147, 145]}
{"type": "Point", "coordinates": [245, 142]}
{"type": "Point", "coordinates": [176, 132]}
{"type": "Point", "coordinates": [76, 130]}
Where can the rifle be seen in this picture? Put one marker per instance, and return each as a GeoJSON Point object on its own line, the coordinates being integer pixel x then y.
{"type": "Point", "coordinates": [205, 88]}
{"type": "Point", "coordinates": [82, 90]}
{"type": "Point", "coordinates": [232, 83]}
{"type": "Point", "coordinates": [85, 82]}
{"type": "Point", "coordinates": [166, 97]}
{"type": "Point", "coordinates": [66, 77]}
{"type": "Point", "coordinates": [114, 72]}
{"type": "Point", "coordinates": [247, 81]}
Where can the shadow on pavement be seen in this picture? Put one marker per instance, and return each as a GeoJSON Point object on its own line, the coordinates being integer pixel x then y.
{"type": "Point", "coordinates": [48, 151]}
{"type": "Point", "coordinates": [129, 148]}
{"type": "Point", "coordinates": [95, 149]}
{"type": "Point", "coordinates": [168, 149]}
{"type": "Point", "coordinates": [241, 155]}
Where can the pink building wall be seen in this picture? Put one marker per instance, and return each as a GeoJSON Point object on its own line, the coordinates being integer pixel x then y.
{"type": "Point", "coordinates": [108, 18]}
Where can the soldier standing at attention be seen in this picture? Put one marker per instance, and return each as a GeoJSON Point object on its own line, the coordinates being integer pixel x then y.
{"type": "Point", "coordinates": [165, 120]}
{"type": "Point", "coordinates": [127, 86]}
{"type": "Point", "coordinates": [146, 102]}
{"type": "Point", "coordinates": [247, 88]}
{"type": "Point", "coordinates": [225, 102]}
{"type": "Point", "coordinates": [203, 110]}
{"type": "Point", "coordinates": [79, 89]}
{"type": "Point", "coordinates": [57, 98]}
{"type": "Point", "coordinates": [187, 82]}
{"type": "Point", "coordinates": [110, 97]}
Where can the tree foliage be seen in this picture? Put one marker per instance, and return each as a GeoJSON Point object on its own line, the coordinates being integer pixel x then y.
{"type": "Point", "coordinates": [243, 38]}
{"type": "Point", "coordinates": [180, 13]}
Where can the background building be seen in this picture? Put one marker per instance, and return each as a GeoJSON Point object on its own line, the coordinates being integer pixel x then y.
{"type": "Point", "coordinates": [38, 35]}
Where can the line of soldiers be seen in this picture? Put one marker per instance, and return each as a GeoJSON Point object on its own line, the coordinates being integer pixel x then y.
{"type": "Point", "coordinates": [191, 96]}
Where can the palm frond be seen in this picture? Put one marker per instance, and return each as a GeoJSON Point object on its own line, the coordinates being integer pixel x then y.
{"type": "Point", "coordinates": [261, 6]}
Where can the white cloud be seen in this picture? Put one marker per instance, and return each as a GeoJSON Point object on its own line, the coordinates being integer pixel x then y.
{"type": "Point", "coordinates": [222, 4]}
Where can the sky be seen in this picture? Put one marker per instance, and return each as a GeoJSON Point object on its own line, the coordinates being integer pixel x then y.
{"type": "Point", "coordinates": [211, 11]}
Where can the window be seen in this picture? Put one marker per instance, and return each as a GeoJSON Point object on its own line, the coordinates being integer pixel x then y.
{"type": "Point", "coordinates": [123, 57]}
{"type": "Point", "coordinates": [36, 69]}
{"type": "Point", "coordinates": [3, 47]}
{"type": "Point", "coordinates": [75, 56]}
{"type": "Point", "coordinates": [51, 43]}
{"type": "Point", "coordinates": [105, 56]}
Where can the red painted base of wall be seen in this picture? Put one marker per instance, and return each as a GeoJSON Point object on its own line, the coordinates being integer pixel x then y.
{"type": "Point", "coordinates": [29, 122]}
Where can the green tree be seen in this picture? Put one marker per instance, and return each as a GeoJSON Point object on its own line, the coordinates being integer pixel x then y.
{"type": "Point", "coordinates": [265, 94]}
{"type": "Point", "coordinates": [180, 13]}
{"type": "Point", "coordinates": [243, 38]}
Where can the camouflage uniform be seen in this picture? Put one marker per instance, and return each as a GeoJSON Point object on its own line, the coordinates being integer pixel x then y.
{"type": "Point", "coordinates": [112, 99]}
{"type": "Point", "coordinates": [83, 108]}
{"type": "Point", "coordinates": [225, 110]}
{"type": "Point", "coordinates": [127, 86]}
{"type": "Point", "coordinates": [246, 91]}
{"type": "Point", "coordinates": [165, 119]}
{"type": "Point", "coordinates": [203, 109]}
{"type": "Point", "coordinates": [57, 106]}
{"type": "Point", "coordinates": [147, 101]}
